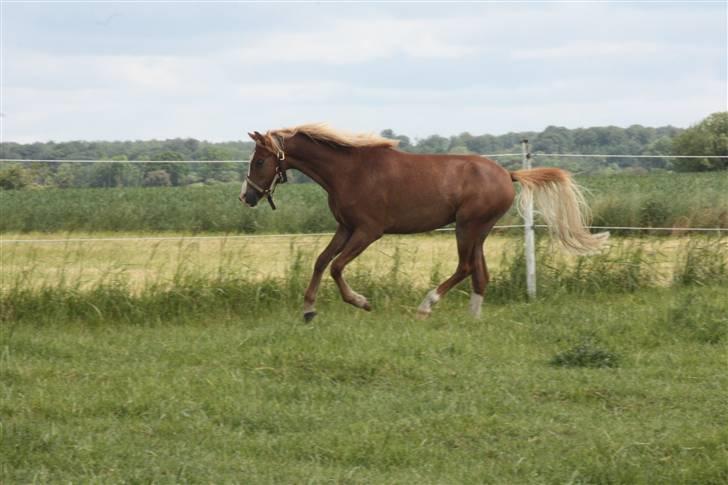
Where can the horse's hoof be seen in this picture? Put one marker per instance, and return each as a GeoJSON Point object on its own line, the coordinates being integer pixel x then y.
{"type": "Point", "coordinates": [423, 315]}
{"type": "Point", "coordinates": [366, 306]}
{"type": "Point", "coordinates": [308, 316]}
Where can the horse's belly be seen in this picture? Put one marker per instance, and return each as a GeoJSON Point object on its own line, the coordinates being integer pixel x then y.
{"type": "Point", "coordinates": [410, 219]}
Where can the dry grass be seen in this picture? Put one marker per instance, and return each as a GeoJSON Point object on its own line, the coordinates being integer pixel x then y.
{"type": "Point", "coordinates": [141, 261]}
{"type": "Point", "coordinates": [416, 258]}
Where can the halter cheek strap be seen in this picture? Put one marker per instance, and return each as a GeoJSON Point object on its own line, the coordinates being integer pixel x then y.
{"type": "Point", "coordinates": [279, 178]}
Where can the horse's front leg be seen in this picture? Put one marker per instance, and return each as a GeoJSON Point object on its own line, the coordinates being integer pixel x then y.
{"type": "Point", "coordinates": [332, 249]}
{"type": "Point", "coordinates": [356, 244]}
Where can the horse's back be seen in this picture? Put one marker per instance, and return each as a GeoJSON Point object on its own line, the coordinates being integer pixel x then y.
{"type": "Point", "coordinates": [417, 193]}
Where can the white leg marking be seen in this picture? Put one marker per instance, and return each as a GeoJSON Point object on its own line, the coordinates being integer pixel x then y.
{"type": "Point", "coordinates": [476, 302]}
{"type": "Point", "coordinates": [308, 307]}
{"type": "Point", "coordinates": [359, 300]}
{"type": "Point", "coordinates": [425, 307]}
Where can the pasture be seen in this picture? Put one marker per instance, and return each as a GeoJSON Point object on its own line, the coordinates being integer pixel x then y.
{"type": "Point", "coordinates": [188, 360]}
{"type": "Point", "coordinates": [600, 388]}
{"type": "Point", "coordinates": [654, 200]}
{"type": "Point", "coordinates": [203, 372]}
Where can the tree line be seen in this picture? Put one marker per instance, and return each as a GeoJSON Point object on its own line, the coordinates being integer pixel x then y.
{"type": "Point", "coordinates": [709, 137]}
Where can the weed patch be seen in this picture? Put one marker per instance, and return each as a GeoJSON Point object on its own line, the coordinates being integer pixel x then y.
{"type": "Point", "coordinates": [698, 318]}
{"type": "Point", "coordinates": [588, 353]}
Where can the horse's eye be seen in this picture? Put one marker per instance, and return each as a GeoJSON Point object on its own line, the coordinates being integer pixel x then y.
{"type": "Point", "coordinates": [259, 162]}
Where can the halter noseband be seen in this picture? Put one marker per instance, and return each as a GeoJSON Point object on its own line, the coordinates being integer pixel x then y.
{"type": "Point", "coordinates": [279, 178]}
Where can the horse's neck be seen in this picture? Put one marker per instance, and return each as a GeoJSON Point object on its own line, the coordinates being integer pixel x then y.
{"type": "Point", "coordinates": [319, 162]}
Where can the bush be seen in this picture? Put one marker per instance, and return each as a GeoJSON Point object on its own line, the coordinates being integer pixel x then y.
{"type": "Point", "coordinates": [654, 213]}
{"type": "Point", "coordinates": [702, 262]}
{"type": "Point", "coordinates": [157, 178]}
{"type": "Point", "coordinates": [13, 177]}
{"type": "Point", "coordinates": [586, 354]}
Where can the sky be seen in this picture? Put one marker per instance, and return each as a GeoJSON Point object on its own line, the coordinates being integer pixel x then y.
{"type": "Point", "coordinates": [214, 71]}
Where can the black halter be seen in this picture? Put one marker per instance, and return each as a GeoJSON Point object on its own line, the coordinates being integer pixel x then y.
{"type": "Point", "coordinates": [279, 178]}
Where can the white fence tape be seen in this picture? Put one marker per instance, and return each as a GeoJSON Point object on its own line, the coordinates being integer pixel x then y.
{"type": "Point", "coordinates": [321, 234]}
{"type": "Point", "coordinates": [534, 155]}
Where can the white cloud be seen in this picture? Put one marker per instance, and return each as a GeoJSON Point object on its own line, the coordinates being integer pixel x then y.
{"type": "Point", "coordinates": [573, 102]}
{"type": "Point", "coordinates": [125, 74]}
{"type": "Point", "coordinates": [612, 50]}
{"type": "Point", "coordinates": [505, 68]}
{"type": "Point", "coordinates": [351, 41]}
{"type": "Point", "coordinates": [589, 49]}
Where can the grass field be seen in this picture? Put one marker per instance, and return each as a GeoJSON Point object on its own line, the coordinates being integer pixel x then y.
{"type": "Point", "coordinates": [614, 375]}
{"type": "Point", "coordinates": [654, 200]}
{"type": "Point", "coordinates": [604, 388]}
{"type": "Point", "coordinates": [188, 361]}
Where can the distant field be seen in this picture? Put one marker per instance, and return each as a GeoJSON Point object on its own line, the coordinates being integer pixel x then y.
{"type": "Point", "coordinates": [656, 200]}
{"type": "Point", "coordinates": [660, 200]}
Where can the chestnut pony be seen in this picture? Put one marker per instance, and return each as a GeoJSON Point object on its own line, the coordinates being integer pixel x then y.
{"type": "Point", "coordinates": [374, 189]}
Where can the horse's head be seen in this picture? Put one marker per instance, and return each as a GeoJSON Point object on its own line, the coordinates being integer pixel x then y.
{"type": "Point", "coordinates": [265, 171]}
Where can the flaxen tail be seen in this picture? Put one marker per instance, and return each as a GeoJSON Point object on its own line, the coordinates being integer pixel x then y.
{"type": "Point", "coordinates": [558, 199]}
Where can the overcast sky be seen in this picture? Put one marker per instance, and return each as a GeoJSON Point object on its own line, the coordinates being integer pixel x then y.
{"type": "Point", "coordinates": [214, 71]}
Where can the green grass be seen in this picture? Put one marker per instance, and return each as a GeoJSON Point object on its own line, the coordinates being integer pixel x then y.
{"type": "Point", "coordinates": [656, 200]}
{"type": "Point", "coordinates": [660, 199]}
{"type": "Point", "coordinates": [302, 208]}
{"type": "Point", "coordinates": [373, 398]}
{"type": "Point", "coordinates": [615, 374]}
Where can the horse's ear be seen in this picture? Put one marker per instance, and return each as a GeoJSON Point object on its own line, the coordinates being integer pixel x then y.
{"type": "Point", "coordinates": [253, 137]}
{"type": "Point", "coordinates": [260, 137]}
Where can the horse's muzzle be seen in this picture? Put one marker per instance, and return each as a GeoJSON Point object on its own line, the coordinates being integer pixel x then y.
{"type": "Point", "coordinates": [250, 198]}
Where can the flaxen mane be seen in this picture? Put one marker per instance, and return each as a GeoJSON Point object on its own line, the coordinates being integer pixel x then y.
{"type": "Point", "coordinates": [322, 132]}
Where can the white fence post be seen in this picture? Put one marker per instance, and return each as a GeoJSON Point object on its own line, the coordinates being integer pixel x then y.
{"type": "Point", "coordinates": [530, 249]}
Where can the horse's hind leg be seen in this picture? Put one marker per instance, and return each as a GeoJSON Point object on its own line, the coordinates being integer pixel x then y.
{"type": "Point", "coordinates": [468, 236]}
{"type": "Point", "coordinates": [479, 278]}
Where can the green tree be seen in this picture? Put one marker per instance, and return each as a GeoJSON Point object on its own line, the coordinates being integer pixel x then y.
{"type": "Point", "coordinates": [709, 137]}
{"type": "Point", "coordinates": [660, 146]}
{"type": "Point", "coordinates": [404, 142]}
{"type": "Point", "coordinates": [554, 139]}
{"type": "Point", "coordinates": [482, 143]}
{"type": "Point", "coordinates": [433, 144]}
{"type": "Point", "coordinates": [176, 171]}
{"type": "Point", "coordinates": [106, 175]}
{"type": "Point", "coordinates": [67, 175]}
{"type": "Point", "coordinates": [216, 171]}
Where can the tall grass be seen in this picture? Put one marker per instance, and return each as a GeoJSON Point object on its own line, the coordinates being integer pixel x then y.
{"type": "Point", "coordinates": [302, 208]}
{"type": "Point", "coordinates": [654, 200]}
{"type": "Point", "coordinates": [660, 200]}
{"type": "Point", "coordinates": [625, 267]}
